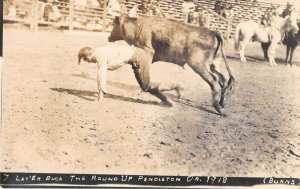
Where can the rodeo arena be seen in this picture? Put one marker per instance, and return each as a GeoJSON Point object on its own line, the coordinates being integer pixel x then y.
{"type": "Point", "coordinates": [152, 87]}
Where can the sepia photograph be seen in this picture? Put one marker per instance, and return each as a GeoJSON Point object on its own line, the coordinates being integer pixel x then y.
{"type": "Point", "coordinates": [151, 87]}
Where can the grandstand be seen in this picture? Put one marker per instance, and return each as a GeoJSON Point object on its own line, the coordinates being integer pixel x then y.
{"type": "Point", "coordinates": [78, 17]}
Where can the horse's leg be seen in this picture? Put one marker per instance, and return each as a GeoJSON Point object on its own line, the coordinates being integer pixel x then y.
{"type": "Point", "coordinates": [292, 53]}
{"type": "Point", "coordinates": [271, 53]}
{"type": "Point", "coordinates": [287, 54]}
{"type": "Point", "coordinates": [200, 68]}
{"type": "Point", "coordinates": [265, 47]}
{"type": "Point", "coordinates": [243, 45]}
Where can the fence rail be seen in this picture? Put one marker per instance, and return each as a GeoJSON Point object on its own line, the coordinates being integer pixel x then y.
{"type": "Point", "coordinates": [92, 18]}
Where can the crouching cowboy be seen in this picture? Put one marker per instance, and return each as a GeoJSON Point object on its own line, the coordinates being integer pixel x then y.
{"type": "Point", "coordinates": [117, 54]}
{"type": "Point", "coordinates": [109, 57]}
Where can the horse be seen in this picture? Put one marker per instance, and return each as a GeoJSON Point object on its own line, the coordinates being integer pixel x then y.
{"type": "Point", "coordinates": [270, 35]}
{"type": "Point", "coordinates": [292, 39]}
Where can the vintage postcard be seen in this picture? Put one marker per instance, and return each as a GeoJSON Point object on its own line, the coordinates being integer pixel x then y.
{"type": "Point", "coordinates": [161, 93]}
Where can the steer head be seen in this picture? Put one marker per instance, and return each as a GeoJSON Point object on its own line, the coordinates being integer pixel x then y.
{"type": "Point", "coordinates": [116, 34]}
{"type": "Point", "coordinates": [118, 24]}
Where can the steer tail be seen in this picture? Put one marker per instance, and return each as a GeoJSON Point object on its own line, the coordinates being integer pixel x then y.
{"type": "Point", "coordinates": [221, 46]}
{"type": "Point", "coordinates": [237, 37]}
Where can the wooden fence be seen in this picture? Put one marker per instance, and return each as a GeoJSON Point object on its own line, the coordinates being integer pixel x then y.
{"type": "Point", "coordinates": [76, 17]}
{"type": "Point", "coordinates": [72, 16]}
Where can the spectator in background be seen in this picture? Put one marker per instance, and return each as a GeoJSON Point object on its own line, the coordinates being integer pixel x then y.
{"type": "Point", "coordinates": [218, 6]}
{"type": "Point", "coordinates": [151, 8]}
{"type": "Point", "coordinates": [41, 7]}
{"type": "Point", "coordinates": [197, 6]}
{"type": "Point", "coordinates": [223, 11]}
{"type": "Point", "coordinates": [194, 15]}
{"type": "Point", "coordinates": [9, 9]}
{"type": "Point", "coordinates": [287, 11]}
{"type": "Point", "coordinates": [187, 7]}
{"type": "Point", "coordinates": [269, 13]}
{"type": "Point", "coordinates": [156, 10]}
{"type": "Point", "coordinates": [55, 14]}
{"type": "Point", "coordinates": [203, 17]}
{"type": "Point", "coordinates": [50, 11]}
{"type": "Point", "coordinates": [47, 8]}
{"type": "Point", "coordinates": [6, 5]}
{"type": "Point", "coordinates": [230, 11]}
{"type": "Point", "coordinates": [123, 7]}
{"type": "Point", "coordinates": [265, 17]}
{"type": "Point", "coordinates": [114, 7]}
{"type": "Point", "coordinates": [264, 20]}
{"type": "Point", "coordinates": [145, 7]}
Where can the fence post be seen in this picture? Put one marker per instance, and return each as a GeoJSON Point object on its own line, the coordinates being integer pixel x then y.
{"type": "Point", "coordinates": [71, 15]}
{"type": "Point", "coordinates": [34, 15]}
{"type": "Point", "coordinates": [104, 15]}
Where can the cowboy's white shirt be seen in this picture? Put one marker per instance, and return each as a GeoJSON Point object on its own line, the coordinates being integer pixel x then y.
{"type": "Point", "coordinates": [113, 53]}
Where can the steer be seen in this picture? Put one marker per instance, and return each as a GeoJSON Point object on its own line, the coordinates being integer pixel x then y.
{"type": "Point", "coordinates": [175, 42]}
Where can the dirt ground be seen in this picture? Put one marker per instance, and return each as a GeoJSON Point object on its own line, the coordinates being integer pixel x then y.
{"type": "Point", "coordinates": [52, 121]}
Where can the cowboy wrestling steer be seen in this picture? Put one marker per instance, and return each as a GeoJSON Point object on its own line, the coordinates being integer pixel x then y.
{"type": "Point", "coordinates": [113, 56]}
{"type": "Point", "coordinates": [175, 42]}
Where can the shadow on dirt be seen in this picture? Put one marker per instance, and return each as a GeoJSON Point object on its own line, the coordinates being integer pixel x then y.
{"type": "Point", "coordinates": [128, 87]}
{"type": "Point", "coordinates": [254, 59]}
{"type": "Point", "coordinates": [86, 94]}
{"type": "Point", "coordinates": [249, 58]}
{"type": "Point", "coordinates": [119, 85]}
{"type": "Point", "coordinates": [199, 107]}
{"type": "Point", "coordinates": [83, 75]}
{"type": "Point", "coordinates": [192, 104]}
{"type": "Point", "coordinates": [79, 93]}
{"type": "Point", "coordinates": [282, 61]}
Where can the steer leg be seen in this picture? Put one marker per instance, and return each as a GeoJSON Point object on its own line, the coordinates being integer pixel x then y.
{"type": "Point", "coordinates": [208, 76]}
{"type": "Point", "coordinates": [222, 82]}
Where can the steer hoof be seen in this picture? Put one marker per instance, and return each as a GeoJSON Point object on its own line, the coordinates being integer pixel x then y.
{"type": "Point", "coordinates": [219, 110]}
{"type": "Point", "coordinates": [167, 104]}
{"type": "Point", "coordinates": [222, 102]}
